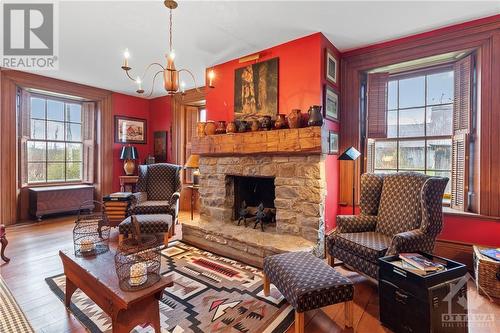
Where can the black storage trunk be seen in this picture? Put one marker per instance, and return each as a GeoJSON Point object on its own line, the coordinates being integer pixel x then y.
{"type": "Point", "coordinates": [436, 302]}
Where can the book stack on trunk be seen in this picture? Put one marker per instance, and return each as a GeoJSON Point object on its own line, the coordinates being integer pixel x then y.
{"type": "Point", "coordinates": [117, 207]}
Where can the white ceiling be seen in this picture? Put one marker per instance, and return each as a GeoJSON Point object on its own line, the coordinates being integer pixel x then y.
{"type": "Point", "coordinates": [94, 34]}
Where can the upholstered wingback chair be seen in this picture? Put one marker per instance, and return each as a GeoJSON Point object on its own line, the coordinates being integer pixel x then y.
{"type": "Point", "coordinates": [400, 212]}
{"type": "Point", "coordinates": [158, 190]}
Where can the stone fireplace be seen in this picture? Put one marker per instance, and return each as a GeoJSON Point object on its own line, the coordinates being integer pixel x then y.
{"type": "Point", "coordinates": [289, 176]}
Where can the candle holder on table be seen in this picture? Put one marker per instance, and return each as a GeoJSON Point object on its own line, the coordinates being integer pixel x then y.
{"type": "Point", "coordinates": [138, 260]}
{"type": "Point", "coordinates": [91, 231]}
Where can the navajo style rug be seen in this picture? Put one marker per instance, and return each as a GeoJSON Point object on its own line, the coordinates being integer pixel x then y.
{"type": "Point", "coordinates": [12, 319]}
{"type": "Point", "coordinates": [210, 294]}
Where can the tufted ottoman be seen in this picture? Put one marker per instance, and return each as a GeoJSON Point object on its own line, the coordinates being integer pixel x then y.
{"type": "Point", "coordinates": [149, 224]}
{"type": "Point", "coordinates": [307, 283]}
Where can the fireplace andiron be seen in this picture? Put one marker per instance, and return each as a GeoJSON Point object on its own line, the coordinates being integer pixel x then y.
{"type": "Point", "coordinates": [243, 213]}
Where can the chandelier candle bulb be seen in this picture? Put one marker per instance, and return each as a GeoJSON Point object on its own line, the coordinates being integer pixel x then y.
{"type": "Point", "coordinates": [126, 55]}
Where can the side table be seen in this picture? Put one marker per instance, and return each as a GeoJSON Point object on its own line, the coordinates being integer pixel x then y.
{"type": "Point", "coordinates": [128, 183]}
{"type": "Point", "coordinates": [193, 188]}
{"type": "Point", "coordinates": [117, 208]}
{"type": "Point", "coordinates": [3, 243]}
{"type": "Point", "coordinates": [410, 302]}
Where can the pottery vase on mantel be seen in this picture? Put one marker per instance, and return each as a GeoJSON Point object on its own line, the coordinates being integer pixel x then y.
{"type": "Point", "coordinates": [266, 123]}
{"type": "Point", "coordinates": [294, 118]}
{"type": "Point", "coordinates": [221, 127]}
{"type": "Point", "coordinates": [210, 128]}
{"type": "Point", "coordinates": [280, 122]}
{"type": "Point", "coordinates": [255, 126]}
{"type": "Point", "coordinates": [231, 127]}
{"type": "Point", "coordinates": [241, 125]}
{"type": "Point", "coordinates": [200, 129]}
{"type": "Point", "coordinates": [315, 116]}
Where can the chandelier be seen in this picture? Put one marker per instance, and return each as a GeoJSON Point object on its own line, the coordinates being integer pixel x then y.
{"type": "Point", "coordinates": [170, 73]}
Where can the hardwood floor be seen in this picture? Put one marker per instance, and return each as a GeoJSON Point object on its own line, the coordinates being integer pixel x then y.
{"type": "Point", "coordinates": [33, 249]}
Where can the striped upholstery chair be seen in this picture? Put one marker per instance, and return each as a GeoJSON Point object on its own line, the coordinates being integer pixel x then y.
{"type": "Point", "coordinates": [399, 213]}
{"type": "Point", "coordinates": [158, 190]}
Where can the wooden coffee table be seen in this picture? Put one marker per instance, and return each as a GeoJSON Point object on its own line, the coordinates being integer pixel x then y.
{"type": "Point", "coordinates": [96, 277]}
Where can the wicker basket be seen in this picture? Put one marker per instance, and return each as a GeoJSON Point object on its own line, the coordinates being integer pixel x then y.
{"type": "Point", "coordinates": [486, 273]}
{"type": "Point", "coordinates": [91, 232]}
{"type": "Point", "coordinates": [138, 260]}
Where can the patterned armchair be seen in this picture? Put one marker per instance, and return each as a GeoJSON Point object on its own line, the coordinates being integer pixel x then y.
{"type": "Point", "coordinates": [399, 213]}
{"type": "Point", "coordinates": [158, 190]}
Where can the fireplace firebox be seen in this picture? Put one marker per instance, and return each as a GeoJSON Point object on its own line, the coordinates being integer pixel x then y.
{"type": "Point", "coordinates": [254, 200]}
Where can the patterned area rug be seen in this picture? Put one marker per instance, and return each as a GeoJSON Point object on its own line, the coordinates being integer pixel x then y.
{"type": "Point", "coordinates": [210, 294]}
{"type": "Point", "coordinates": [12, 319]}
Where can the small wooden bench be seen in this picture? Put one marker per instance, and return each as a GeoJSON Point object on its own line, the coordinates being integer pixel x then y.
{"type": "Point", "coordinates": [307, 283]}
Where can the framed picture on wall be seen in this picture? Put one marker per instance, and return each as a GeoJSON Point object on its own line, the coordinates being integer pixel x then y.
{"type": "Point", "coordinates": [333, 143]}
{"type": "Point", "coordinates": [160, 146]}
{"type": "Point", "coordinates": [130, 130]}
{"type": "Point", "coordinates": [330, 103]}
{"type": "Point", "coordinates": [331, 67]}
{"type": "Point", "coordinates": [256, 90]}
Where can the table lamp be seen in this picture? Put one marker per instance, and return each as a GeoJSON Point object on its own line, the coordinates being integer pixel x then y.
{"type": "Point", "coordinates": [193, 162]}
{"type": "Point", "coordinates": [129, 154]}
{"type": "Point", "coordinates": [351, 154]}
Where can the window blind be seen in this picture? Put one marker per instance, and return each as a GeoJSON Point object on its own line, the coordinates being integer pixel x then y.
{"type": "Point", "coordinates": [377, 105]}
{"type": "Point", "coordinates": [461, 131]}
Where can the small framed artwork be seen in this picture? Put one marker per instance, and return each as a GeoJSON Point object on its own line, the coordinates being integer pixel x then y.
{"type": "Point", "coordinates": [331, 67]}
{"type": "Point", "coordinates": [331, 104]}
{"type": "Point", "coordinates": [160, 146]}
{"type": "Point", "coordinates": [333, 143]}
{"type": "Point", "coordinates": [130, 130]}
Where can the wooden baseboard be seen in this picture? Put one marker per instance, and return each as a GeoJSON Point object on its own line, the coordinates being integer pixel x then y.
{"type": "Point", "coordinates": [457, 251]}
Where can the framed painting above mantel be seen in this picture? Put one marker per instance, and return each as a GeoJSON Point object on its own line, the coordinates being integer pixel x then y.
{"type": "Point", "coordinates": [130, 130]}
{"type": "Point", "coordinates": [256, 90]}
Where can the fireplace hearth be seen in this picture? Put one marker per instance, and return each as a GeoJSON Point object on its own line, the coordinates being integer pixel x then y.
{"type": "Point", "coordinates": [283, 172]}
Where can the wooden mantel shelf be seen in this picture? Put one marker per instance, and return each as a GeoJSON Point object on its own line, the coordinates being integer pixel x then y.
{"type": "Point", "coordinates": [310, 140]}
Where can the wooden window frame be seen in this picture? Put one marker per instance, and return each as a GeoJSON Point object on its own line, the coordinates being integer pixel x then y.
{"type": "Point", "coordinates": [47, 97]}
{"type": "Point", "coordinates": [425, 72]}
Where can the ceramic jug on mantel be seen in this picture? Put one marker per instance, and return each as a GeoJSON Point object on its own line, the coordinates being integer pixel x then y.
{"type": "Point", "coordinates": [315, 116]}
{"type": "Point", "coordinates": [294, 118]}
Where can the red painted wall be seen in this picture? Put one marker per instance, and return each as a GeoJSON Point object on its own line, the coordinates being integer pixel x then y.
{"type": "Point", "coordinates": [130, 106]}
{"type": "Point", "coordinates": [331, 163]}
{"type": "Point", "coordinates": [301, 80]}
{"type": "Point", "coordinates": [160, 116]}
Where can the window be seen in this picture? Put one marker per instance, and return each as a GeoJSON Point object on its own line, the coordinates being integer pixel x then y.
{"type": "Point", "coordinates": [419, 120]}
{"type": "Point", "coordinates": [54, 146]}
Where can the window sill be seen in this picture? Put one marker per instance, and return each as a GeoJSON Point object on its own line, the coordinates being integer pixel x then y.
{"type": "Point", "coordinates": [54, 184]}
{"type": "Point", "coordinates": [447, 211]}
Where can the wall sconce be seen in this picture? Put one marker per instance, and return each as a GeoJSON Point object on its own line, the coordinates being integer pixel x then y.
{"type": "Point", "coordinates": [211, 77]}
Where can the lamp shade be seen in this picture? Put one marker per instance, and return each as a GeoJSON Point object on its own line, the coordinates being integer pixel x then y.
{"type": "Point", "coordinates": [193, 162]}
{"type": "Point", "coordinates": [350, 154]}
{"type": "Point", "coordinates": [129, 153]}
